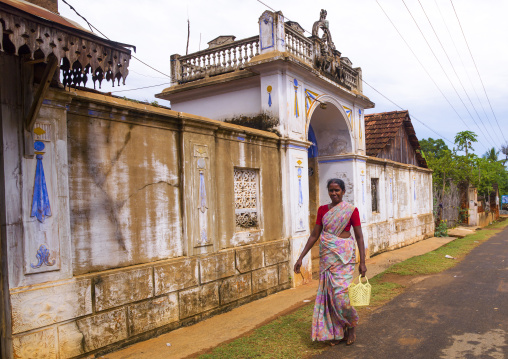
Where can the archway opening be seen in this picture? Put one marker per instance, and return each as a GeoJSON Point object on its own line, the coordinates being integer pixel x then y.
{"type": "Point", "coordinates": [329, 134]}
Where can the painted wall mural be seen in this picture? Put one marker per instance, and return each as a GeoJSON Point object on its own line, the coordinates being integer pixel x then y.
{"type": "Point", "coordinates": [41, 246]}
{"type": "Point", "coordinates": [300, 223]}
{"type": "Point", "coordinates": [269, 90]}
{"type": "Point", "coordinates": [310, 98]}
{"type": "Point", "coordinates": [43, 255]}
{"type": "Point", "coordinates": [266, 34]}
{"type": "Point", "coordinates": [41, 207]}
{"type": "Point", "coordinates": [348, 114]}
{"type": "Point", "coordinates": [295, 85]}
{"type": "Point", "coordinates": [360, 124]}
{"type": "Point", "coordinates": [201, 154]}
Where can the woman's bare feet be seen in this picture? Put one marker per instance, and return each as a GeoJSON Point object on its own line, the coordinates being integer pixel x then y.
{"type": "Point", "coordinates": [351, 336]}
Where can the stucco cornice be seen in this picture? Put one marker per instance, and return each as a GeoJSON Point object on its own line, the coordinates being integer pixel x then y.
{"type": "Point", "coordinates": [295, 144]}
{"type": "Point", "coordinates": [188, 122]}
{"type": "Point", "coordinates": [384, 162]}
{"type": "Point", "coordinates": [174, 93]}
{"type": "Point", "coordinates": [275, 60]}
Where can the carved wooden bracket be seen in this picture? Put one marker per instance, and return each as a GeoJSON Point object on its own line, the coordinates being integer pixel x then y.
{"type": "Point", "coordinates": [36, 104]}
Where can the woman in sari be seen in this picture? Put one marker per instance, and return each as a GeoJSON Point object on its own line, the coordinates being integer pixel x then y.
{"type": "Point", "coordinates": [334, 318]}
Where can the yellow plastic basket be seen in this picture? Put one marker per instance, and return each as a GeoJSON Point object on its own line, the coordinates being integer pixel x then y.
{"type": "Point", "coordinates": [359, 293]}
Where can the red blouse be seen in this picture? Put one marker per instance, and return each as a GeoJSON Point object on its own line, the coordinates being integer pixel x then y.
{"type": "Point", "coordinates": [354, 220]}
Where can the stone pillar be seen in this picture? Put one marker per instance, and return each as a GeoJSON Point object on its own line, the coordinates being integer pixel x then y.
{"type": "Point", "coordinates": [51, 5]}
{"type": "Point", "coordinates": [297, 217]}
{"type": "Point", "coordinates": [271, 32]}
{"type": "Point", "coordinates": [176, 69]}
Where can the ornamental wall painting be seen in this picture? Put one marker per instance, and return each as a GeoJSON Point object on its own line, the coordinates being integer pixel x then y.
{"type": "Point", "coordinates": [300, 218]}
{"type": "Point", "coordinates": [41, 243]}
{"type": "Point", "coordinates": [202, 180]}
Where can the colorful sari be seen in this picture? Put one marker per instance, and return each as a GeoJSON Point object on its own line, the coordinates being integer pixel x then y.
{"type": "Point", "coordinates": [332, 311]}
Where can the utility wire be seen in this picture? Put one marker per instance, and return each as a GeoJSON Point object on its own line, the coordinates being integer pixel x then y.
{"type": "Point", "coordinates": [140, 88]}
{"type": "Point", "coordinates": [423, 66]}
{"type": "Point", "coordinates": [477, 71]}
{"type": "Point", "coordinates": [462, 62]}
{"type": "Point", "coordinates": [93, 27]}
{"type": "Point", "coordinates": [412, 116]}
{"type": "Point", "coordinates": [141, 74]}
{"type": "Point", "coordinates": [453, 68]}
{"type": "Point", "coordinates": [81, 16]}
{"type": "Point", "coordinates": [442, 68]}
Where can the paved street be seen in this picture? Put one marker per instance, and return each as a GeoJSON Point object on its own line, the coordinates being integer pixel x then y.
{"type": "Point", "coordinates": [460, 313]}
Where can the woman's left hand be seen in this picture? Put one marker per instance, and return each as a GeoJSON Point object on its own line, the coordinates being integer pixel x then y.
{"type": "Point", "coordinates": [362, 269]}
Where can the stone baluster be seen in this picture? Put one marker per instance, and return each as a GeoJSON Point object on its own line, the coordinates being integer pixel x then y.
{"type": "Point", "coordinates": [224, 61]}
{"type": "Point", "coordinates": [234, 63]}
{"type": "Point", "coordinates": [245, 54]}
{"type": "Point", "coordinates": [198, 66]}
{"type": "Point", "coordinates": [193, 68]}
{"type": "Point", "coordinates": [216, 62]}
{"type": "Point", "coordinates": [207, 65]}
{"type": "Point", "coordinates": [228, 51]}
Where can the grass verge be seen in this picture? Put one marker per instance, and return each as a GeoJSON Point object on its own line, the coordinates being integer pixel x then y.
{"type": "Point", "coordinates": [289, 335]}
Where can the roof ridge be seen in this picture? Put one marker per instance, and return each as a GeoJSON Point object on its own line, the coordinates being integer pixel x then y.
{"type": "Point", "coordinates": [388, 113]}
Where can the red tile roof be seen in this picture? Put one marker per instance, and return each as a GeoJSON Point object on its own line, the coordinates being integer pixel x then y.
{"type": "Point", "coordinates": [380, 128]}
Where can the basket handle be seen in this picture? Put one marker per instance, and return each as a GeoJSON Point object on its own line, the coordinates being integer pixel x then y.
{"type": "Point", "coordinates": [360, 279]}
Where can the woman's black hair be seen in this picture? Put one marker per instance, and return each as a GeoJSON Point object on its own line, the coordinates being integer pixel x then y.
{"type": "Point", "coordinates": [336, 181]}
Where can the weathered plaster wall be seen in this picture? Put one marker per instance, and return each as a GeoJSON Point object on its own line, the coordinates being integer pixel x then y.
{"type": "Point", "coordinates": [404, 198]}
{"type": "Point", "coordinates": [242, 97]}
{"type": "Point", "coordinates": [124, 184]}
{"type": "Point", "coordinates": [143, 183]}
{"type": "Point", "coordinates": [237, 152]}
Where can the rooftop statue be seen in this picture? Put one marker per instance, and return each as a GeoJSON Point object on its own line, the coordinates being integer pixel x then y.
{"type": "Point", "coordinates": [323, 24]}
{"type": "Point", "coordinates": [327, 58]}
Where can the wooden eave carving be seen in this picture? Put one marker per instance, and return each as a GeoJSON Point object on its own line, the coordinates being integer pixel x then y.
{"type": "Point", "coordinates": [78, 52]}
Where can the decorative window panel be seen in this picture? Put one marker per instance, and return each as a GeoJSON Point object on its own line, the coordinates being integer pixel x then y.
{"type": "Point", "coordinates": [246, 198]}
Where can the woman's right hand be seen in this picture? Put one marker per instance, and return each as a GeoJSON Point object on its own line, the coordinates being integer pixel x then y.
{"type": "Point", "coordinates": [298, 264]}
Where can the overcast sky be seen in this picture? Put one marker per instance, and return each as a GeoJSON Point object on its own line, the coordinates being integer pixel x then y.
{"type": "Point", "coordinates": [360, 31]}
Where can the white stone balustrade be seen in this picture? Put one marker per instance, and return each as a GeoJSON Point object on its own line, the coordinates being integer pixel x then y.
{"type": "Point", "coordinates": [215, 61]}
{"type": "Point", "coordinates": [298, 45]}
{"type": "Point", "coordinates": [235, 55]}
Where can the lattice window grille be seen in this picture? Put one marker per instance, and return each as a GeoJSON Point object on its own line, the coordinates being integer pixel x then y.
{"type": "Point", "coordinates": [246, 198]}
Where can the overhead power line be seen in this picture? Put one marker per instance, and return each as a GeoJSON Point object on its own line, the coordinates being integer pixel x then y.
{"type": "Point", "coordinates": [93, 27]}
{"type": "Point", "coordinates": [141, 88]}
{"type": "Point", "coordinates": [442, 68]}
{"type": "Point", "coordinates": [423, 66]}
{"type": "Point", "coordinates": [412, 116]}
{"type": "Point", "coordinates": [453, 68]}
{"type": "Point", "coordinates": [462, 62]}
{"type": "Point", "coordinates": [477, 71]}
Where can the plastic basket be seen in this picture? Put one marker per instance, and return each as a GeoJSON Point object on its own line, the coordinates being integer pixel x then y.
{"type": "Point", "coordinates": [359, 293]}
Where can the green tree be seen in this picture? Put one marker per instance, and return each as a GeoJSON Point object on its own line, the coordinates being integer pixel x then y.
{"type": "Point", "coordinates": [464, 140]}
{"type": "Point", "coordinates": [491, 154]}
{"type": "Point", "coordinates": [504, 151]}
{"type": "Point", "coordinates": [433, 147]}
